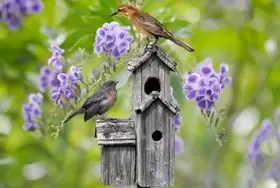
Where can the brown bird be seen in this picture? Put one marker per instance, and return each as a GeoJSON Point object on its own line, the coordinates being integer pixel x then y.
{"type": "Point", "coordinates": [148, 25]}
{"type": "Point", "coordinates": [99, 103]}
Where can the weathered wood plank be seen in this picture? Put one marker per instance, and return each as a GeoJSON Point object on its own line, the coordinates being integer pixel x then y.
{"type": "Point", "coordinates": [155, 163]}
{"type": "Point", "coordinates": [147, 102]}
{"type": "Point", "coordinates": [167, 85]}
{"type": "Point", "coordinates": [135, 63]}
{"type": "Point", "coordinates": [118, 165]}
{"type": "Point", "coordinates": [117, 139]}
{"type": "Point", "coordinates": [115, 131]}
{"type": "Point", "coordinates": [154, 62]}
{"type": "Point", "coordinates": [166, 59]}
{"type": "Point", "coordinates": [162, 79]}
{"type": "Point", "coordinates": [137, 88]}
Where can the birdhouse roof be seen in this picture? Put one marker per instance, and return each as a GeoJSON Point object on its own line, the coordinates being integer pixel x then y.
{"type": "Point", "coordinates": [137, 62]}
{"type": "Point", "coordinates": [171, 105]}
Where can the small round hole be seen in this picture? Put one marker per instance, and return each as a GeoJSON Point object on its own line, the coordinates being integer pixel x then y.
{"type": "Point", "coordinates": [152, 84]}
{"type": "Point", "coordinates": [157, 135]}
{"type": "Point", "coordinates": [138, 111]}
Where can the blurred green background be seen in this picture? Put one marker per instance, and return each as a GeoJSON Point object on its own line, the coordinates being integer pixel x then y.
{"type": "Point", "coordinates": [242, 33]}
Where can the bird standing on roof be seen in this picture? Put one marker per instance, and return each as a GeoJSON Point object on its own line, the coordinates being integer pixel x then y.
{"type": "Point", "coordinates": [148, 25]}
{"type": "Point", "coordinates": [99, 103]}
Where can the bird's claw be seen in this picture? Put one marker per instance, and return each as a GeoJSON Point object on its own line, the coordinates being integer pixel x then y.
{"type": "Point", "coordinates": [151, 47]}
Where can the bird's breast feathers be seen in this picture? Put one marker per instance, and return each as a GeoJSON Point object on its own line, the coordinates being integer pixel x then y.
{"type": "Point", "coordinates": [111, 97]}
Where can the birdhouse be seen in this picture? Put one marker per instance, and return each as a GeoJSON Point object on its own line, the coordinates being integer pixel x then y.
{"type": "Point", "coordinates": [118, 152]}
{"type": "Point", "coordinates": [142, 151]}
{"type": "Point", "coordinates": [155, 110]}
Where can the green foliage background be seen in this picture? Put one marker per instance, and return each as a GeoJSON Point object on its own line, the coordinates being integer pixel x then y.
{"type": "Point", "coordinates": [245, 36]}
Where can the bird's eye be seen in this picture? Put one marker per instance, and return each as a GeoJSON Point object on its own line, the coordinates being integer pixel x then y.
{"type": "Point", "coordinates": [121, 10]}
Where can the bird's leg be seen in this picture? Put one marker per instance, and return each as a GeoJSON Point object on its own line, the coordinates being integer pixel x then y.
{"type": "Point", "coordinates": [103, 117]}
{"type": "Point", "coordinates": [148, 42]}
{"type": "Point", "coordinates": [152, 46]}
{"type": "Point", "coordinates": [146, 47]}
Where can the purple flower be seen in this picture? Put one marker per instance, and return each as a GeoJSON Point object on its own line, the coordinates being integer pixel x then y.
{"type": "Point", "coordinates": [48, 78]}
{"type": "Point", "coordinates": [208, 100]}
{"type": "Point", "coordinates": [45, 77]}
{"type": "Point", "coordinates": [112, 39]}
{"type": "Point", "coordinates": [204, 85]}
{"type": "Point", "coordinates": [13, 11]}
{"type": "Point", "coordinates": [32, 111]}
{"type": "Point", "coordinates": [194, 86]}
{"type": "Point", "coordinates": [177, 122]}
{"type": "Point", "coordinates": [179, 145]}
{"type": "Point", "coordinates": [66, 89]}
{"type": "Point", "coordinates": [224, 79]}
{"type": "Point", "coordinates": [273, 171]}
{"type": "Point", "coordinates": [75, 74]}
{"type": "Point", "coordinates": [56, 60]}
{"type": "Point", "coordinates": [263, 133]}
{"type": "Point", "coordinates": [67, 85]}
{"type": "Point", "coordinates": [56, 96]}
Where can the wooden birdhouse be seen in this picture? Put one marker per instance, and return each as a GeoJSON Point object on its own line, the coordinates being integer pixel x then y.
{"type": "Point", "coordinates": [142, 150]}
{"type": "Point", "coordinates": [154, 119]}
{"type": "Point", "coordinates": [117, 139]}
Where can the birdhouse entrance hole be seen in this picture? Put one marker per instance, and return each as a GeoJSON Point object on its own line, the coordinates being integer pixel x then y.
{"type": "Point", "coordinates": [152, 84]}
{"type": "Point", "coordinates": [157, 135]}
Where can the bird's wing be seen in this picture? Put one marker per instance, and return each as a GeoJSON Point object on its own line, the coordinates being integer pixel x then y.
{"type": "Point", "coordinates": [151, 25]}
{"type": "Point", "coordinates": [91, 111]}
{"type": "Point", "coordinates": [96, 98]}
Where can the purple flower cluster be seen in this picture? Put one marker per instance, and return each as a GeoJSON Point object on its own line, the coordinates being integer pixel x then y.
{"type": "Point", "coordinates": [68, 85]}
{"type": "Point", "coordinates": [32, 111]}
{"type": "Point", "coordinates": [63, 85]}
{"type": "Point", "coordinates": [112, 39]}
{"type": "Point", "coordinates": [263, 133]}
{"type": "Point", "coordinates": [48, 74]}
{"type": "Point", "coordinates": [48, 78]}
{"type": "Point", "coordinates": [204, 85]}
{"type": "Point", "coordinates": [12, 11]}
{"type": "Point", "coordinates": [56, 60]}
{"type": "Point", "coordinates": [257, 157]}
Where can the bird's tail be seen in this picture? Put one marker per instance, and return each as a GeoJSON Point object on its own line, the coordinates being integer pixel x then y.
{"type": "Point", "coordinates": [180, 43]}
{"type": "Point", "coordinates": [79, 111]}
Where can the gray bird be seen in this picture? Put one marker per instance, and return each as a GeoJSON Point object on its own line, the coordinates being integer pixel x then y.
{"type": "Point", "coordinates": [99, 103]}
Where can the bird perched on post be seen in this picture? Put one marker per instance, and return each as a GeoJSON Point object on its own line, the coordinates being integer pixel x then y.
{"type": "Point", "coordinates": [148, 25]}
{"type": "Point", "coordinates": [99, 103]}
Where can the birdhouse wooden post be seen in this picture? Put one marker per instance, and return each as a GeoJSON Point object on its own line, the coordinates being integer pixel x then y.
{"type": "Point", "coordinates": [154, 119]}
{"type": "Point", "coordinates": [117, 140]}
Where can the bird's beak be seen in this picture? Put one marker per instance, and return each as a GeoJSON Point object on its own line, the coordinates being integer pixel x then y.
{"type": "Point", "coordinates": [114, 13]}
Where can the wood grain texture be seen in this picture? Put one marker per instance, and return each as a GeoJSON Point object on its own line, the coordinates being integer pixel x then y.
{"type": "Point", "coordinates": [134, 64]}
{"type": "Point", "coordinates": [166, 59]}
{"type": "Point", "coordinates": [117, 139]}
{"type": "Point", "coordinates": [155, 112]}
{"type": "Point", "coordinates": [115, 131]}
{"type": "Point", "coordinates": [155, 159]}
{"type": "Point", "coordinates": [118, 165]}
